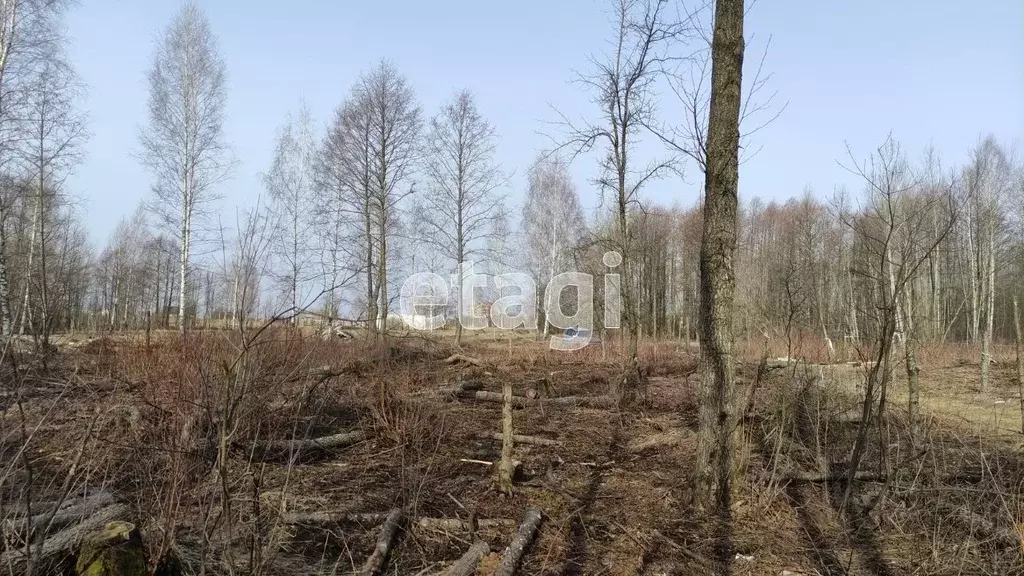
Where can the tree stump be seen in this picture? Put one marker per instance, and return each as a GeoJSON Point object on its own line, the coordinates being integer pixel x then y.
{"type": "Point", "coordinates": [116, 550]}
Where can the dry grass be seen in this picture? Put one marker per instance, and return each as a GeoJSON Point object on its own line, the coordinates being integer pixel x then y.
{"type": "Point", "coordinates": [615, 492]}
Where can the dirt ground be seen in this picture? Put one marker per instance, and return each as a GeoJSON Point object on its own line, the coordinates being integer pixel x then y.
{"type": "Point", "coordinates": [614, 490]}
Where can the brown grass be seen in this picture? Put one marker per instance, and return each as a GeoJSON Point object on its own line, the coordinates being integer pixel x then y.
{"type": "Point", "coordinates": [613, 504]}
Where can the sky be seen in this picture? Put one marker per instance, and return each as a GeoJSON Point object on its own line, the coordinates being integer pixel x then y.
{"type": "Point", "coordinates": [931, 72]}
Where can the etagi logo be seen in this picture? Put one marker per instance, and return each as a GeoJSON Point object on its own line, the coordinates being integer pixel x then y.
{"type": "Point", "coordinates": [425, 298]}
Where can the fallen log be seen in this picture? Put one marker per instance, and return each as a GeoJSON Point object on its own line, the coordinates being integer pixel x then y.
{"type": "Point", "coordinates": [863, 476]}
{"type": "Point", "coordinates": [466, 565]}
{"type": "Point", "coordinates": [375, 563]}
{"type": "Point", "coordinates": [456, 358]}
{"type": "Point", "coordinates": [496, 397]}
{"type": "Point", "coordinates": [461, 386]}
{"type": "Point", "coordinates": [67, 540]}
{"type": "Point", "coordinates": [520, 439]}
{"type": "Point", "coordinates": [514, 553]}
{"type": "Point", "coordinates": [986, 529]}
{"type": "Point", "coordinates": [320, 518]}
{"type": "Point", "coordinates": [322, 443]}
{"type": "Point", "coordinates": [660, 440]}
{"type": "Point", "coordinates": [456, 525]}
{"type": "Point", "coordinates": [583, 401]}
{"type": "Point", "coordinates": [426, 523]}
{"type": "Point", "coordinates": [70, 512]}
{"type": "Point", "coordinates": [522, 401]}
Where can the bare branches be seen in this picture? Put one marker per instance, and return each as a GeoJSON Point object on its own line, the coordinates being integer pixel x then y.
{"type": "Point", "coordinates": [183, 144]}
{"type": "Point", "coordinates": [690, 82]}
{"type": "Point", "coordinates": [290, 185]}
{"type": "Point", "coordinates": [462, 198]}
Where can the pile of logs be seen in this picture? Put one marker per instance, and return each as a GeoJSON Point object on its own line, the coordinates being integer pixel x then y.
{"type": "Point", "coordinates": [56, 529]}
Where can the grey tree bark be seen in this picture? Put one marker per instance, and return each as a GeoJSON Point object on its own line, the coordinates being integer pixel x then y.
{"type": "Point", "coordinates": [716, 423]}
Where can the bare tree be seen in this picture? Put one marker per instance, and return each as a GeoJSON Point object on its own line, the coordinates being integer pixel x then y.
{"type": "Point", "coordinates": [463, 178]}
{"type": "Point", "coordinates": [245, 265]}
{"type": "Point", "coordinates": [393, 131]}
{"type": "Point", "coordinates": [183, 144]}
{"type": "Point", "coordinates": [988, 181]}
{"type": "Point", "coordinates": [30, 36]}
{"type": "Point", "coordinates": [893, 246]}
{"type": "Point", "coordinates": [344, 196]}
{"type": "Point", "coordinates": [716, 418]}
{"type": "Point", "coordinates": [290, 185]}
{"type": "Point", "coordinates": [55, 145]}
{"type": "Point", "coordinates": [624, 88]}
{"type": "Point", "coordinates": [552, 223]}
{"type": "Point", "coordinates": [690, 82]}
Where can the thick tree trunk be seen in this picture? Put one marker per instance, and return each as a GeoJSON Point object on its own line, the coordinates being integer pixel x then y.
{"type": "Point", "coordinates": [716, 418]}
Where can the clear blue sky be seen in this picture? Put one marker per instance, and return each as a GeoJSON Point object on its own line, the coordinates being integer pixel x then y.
{"type": "Point", "coordinates": [931, 71]}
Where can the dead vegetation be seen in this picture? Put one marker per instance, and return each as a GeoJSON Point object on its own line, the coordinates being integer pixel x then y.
{"type": "Point", "coordinates": [284, 454]}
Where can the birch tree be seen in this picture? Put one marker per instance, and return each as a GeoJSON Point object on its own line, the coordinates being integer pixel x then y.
{"type": "Point", "coordinates": [988, 181]}
{"type": "Point", "coordinates": [53, 147]}
{"type": "Point", "coordinates": [345, 202]}
{"type": "Point", "coordinates": [393, 127]}
{"type": "Point", "coordinates": [289, 183]}
{"type": "Point", "coordinates": [183, 144]}
{"type": "Point", "coordinates": [552, 223]}
{"type": "Point", "coordinates": [30, 35]}
{"type": "Point", "coordinates": [463, 179]}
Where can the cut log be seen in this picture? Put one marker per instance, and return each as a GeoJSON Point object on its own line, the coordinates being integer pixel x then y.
{"type": "Point", "coordinates": [520, 439]}
{"type": "Point", "coordinates": [322, 443]}
{"type": "Point", "coordinates": [506, 469]}
{"type": "Point", "coordinates": [426, 523]}
{"type": "Point", "coordinates": [375, 563]}
{"type": "Point", "coordinates": [522, 401]}
{"type": "Point", "coordinates": [320, 518]}
{"type": "Point", "coordinates": [70, 512]}
{"type": "Point", "coordinates": [660, 440]}
{"type": "Point", "coordinates": [466, 565]}
{"type": "Point", "coordinates": [484, 396]}
{"type": "Point", "coordinates": [457, 358]}
{"type": "Point", "coordinates": [456, 525]}
{"type": "Point", "coordinates": [117, 550]}
{"type": "Point", "coordinates": [863, 476]}
{"type": "Point", "coordinates": [514, 553]}
{"type": "Point", "coordinates": [461, 386]}
{"type": "Point", "coordinates": [68, 540]}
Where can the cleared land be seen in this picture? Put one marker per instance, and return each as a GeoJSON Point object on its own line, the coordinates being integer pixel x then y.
{"type": "Point", "coordinates": [286, 456]}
